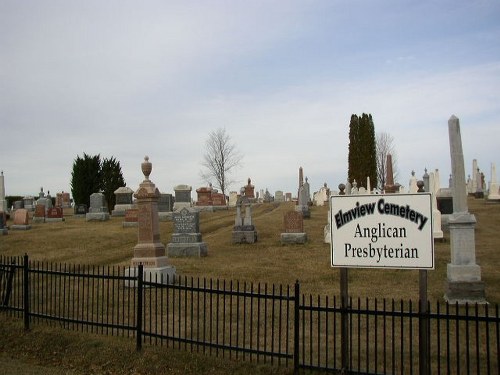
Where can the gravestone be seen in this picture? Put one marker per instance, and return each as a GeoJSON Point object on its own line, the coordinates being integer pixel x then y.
{"type": "Point", "coordinates": [21, 220]}
{"type": "Point", "coordinates": [18, 205]}
{"type": "Point", "coordinates": [493, 188]}
{"type": "Point", "coordinates": [3, 223]}
{"type": "Point", "coordinates": [29, 203]}
{"type": "Point", "coordinates": [186, 238]}
{"type": "Point", "coordinates": [46, 202]}
{"type": "Point", "coordinates": [473, 188]}
{"type": "Point", "coordinates": [3, 201]}
{"type": "Point", "coordinates": [412, 184]}
{"type": "Point", "coordinates": [249, 190]}
{"type": "Point", "coordinates": [182, 197]}
{"type": "Point", "coordinates": [98, 210]}
{"type": "Point", "coordinates": [233, 198]}
{"type": "Point", "coordinates": [63, 200]}
{"type": "Point", "coordinates": [288, 197]}
{"type": "Point", "coordinates": [320, 198]}
{"type": "Point", "coordinates": [39, 214]}
{"type": "Point", "coordinates": [123, 201]}
{"type": "Point", "coordinates": [165, 206]}
{"type": "Point", "coordinates": [54, 214]}
{"type": "Point", "coordinates": [244, 230]}
{"type": "Point", "coordinates": [294, 228]}
{"type": "Point", "coordinates": [80, 210]}
{"type": "Point", "coordinates": [279, 197]}
{"type": "Point", "coordinates": [131, 218]}
{"type": "Point", "coordinates": [149, 251]}
{"type": "Point", "coordinates": [437, 231]}
{"type": "Point", "coordinates": [302, 203]}
{"type": "Point", "coordinates": [464, 283]}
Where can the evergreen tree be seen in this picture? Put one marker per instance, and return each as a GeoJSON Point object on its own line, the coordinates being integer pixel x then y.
{"type": "Point", "coordinates": [362, 156]}
{"type": "Point", "coordinates": [111, 179]}
{"type": "Point", "coordinates": [91, 175]}
{"type": "Point", "coordinates": [85, 178]}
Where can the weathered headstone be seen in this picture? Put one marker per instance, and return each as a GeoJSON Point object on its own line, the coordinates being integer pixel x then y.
{"type": "Point", "coordinates": [464, 283]}
{"type": "Point", "coordinates": [233, 198]}
{"type": "Point", "coordinates": [303, 199]}
{"type": "Point", "coordinates": [28, 202]}
{"type": "Point", "coordinates": [288, 197]}
{"type": "Point", "coordinates": [294, 228]}
{"type": "Point", "coordinates": [182, 197]}
{"type": "Point", "coordinates": [98, 210]}
{"type": "Point", "coordinates": [320, 198]}
{"type": "Point", "coordinates": [279, 197]}
{"type": "Point", "coordinates": [123, 201]}
{"type": "Point", "coordinates": [39, 214]}
{"type": "Point", "coordinates": [244, 230]}
{"type": "Point", "coordinates": [493, 188]}
{"type": "Point", "coordinates": [437, 232]}
{"type": "Point", "coordinates": [21, 220]}
{"type": "Point", "coordinates": [131, 218]}
{"type": "Point", "coordinates": [18, 205]}
{"type": "Point", "coordinates": [63, 200]}
{"type": "Point", "coordinates": [412, 184]}
{"type": "Point", "coordinates": [80, 210]}
{"type": "Point", "coordinates": [46, 202]}
{"type": "Point", "coordinates": [186, 238]}
{"type": "Point", "coordinates": [54, 214]}
{"type": "Point", "coordinates": [268, 198]}
{"type": "Point", "coordinates": [165, 206]}
{"type": "Point", "coordinates": [149, 251]}
{"type": "Point", "coordinates": [249, 190]}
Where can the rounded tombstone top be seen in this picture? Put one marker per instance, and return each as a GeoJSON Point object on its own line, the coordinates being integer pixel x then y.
{"type": "Point", "coordinates": [146, 167]}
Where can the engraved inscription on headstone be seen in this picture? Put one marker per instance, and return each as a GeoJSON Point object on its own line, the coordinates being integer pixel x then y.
{"type": "Point", "coordinates": [186, 221]}
{"type": "Point", "coordinates": [294, 222]}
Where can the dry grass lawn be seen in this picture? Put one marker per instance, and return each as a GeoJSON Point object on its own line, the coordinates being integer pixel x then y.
{"type": "Point", "coordinates": [77, 241]}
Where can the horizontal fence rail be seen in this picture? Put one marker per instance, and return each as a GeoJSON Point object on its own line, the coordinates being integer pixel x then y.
{"type": "Point", "coordinates": [257, 322]}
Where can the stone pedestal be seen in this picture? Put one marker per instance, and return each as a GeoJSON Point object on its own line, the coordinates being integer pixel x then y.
{"type": "Point", "coordinates": [463, 274]}
{"type": "Point", "coordinates": [149, 251]}
{"type": "Point", "coordinates": [98, 210]}
{"type": "Point", "coordinates": [244, 235]}
{"type": "Point", "coordinates": [160, 275]}
{"type": "Point", "coordinates": [293, 238]}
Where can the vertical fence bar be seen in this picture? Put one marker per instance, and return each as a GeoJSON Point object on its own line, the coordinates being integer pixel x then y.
{"type": "Point", "coordinates": [296, 320]}
{"type": "Point", "coordinates": [139, 308]}
{"type": "Point", "coordinates": [26, 302]}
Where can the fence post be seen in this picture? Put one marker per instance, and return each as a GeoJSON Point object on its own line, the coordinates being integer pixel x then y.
{"type": "Point", "coordinates": [344, 318]}
{"type": "Point", "coordinates": [26, 297]}
{"type": "Point", "coordinates": [423, 328]}
{"type": "Point", "coordinates": [296, 321]}
{"type": "Point", "coordinates": [140, 273]}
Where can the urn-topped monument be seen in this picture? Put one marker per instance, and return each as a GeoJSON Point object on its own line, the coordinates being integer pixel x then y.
{"type": "Point", "coordinates": [149, 251]}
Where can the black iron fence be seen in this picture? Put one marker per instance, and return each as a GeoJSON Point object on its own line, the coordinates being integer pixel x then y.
{"type": "Point", "coordinates": [257, 322]}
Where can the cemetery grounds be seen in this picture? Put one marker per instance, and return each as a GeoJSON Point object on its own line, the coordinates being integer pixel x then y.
{"type": "Point", "coordinates": [76, 241]}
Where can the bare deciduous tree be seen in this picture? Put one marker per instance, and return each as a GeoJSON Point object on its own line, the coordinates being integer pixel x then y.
{"type": "Point", "coordinates": [220, 158]}
{"type": "Point", "coordinates": [385, 146]}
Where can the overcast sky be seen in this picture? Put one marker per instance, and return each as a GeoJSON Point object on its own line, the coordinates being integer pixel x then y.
{"type": "Point", "coordinates": [126, 79]}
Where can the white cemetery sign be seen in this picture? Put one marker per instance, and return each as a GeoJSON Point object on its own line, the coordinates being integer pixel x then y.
{"type": "Point", "coordinates": [382, 231]}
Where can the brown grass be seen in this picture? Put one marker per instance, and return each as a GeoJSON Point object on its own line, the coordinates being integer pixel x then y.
{"type": "Point", "coordinates": [267, 261]}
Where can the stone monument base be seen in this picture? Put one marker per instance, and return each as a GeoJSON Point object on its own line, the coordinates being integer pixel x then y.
{"type": "Point", "coordinates": [293, 238]}
{"type": "Point", "coordinates": [162, 275]}
{"type": "Point", "coordinates": [327, 234]}
{"type": "Point", "coordinates": [4, 231]}
{"type": "Point", "coordinates": [194, 249]}
{"type": "Point", "coordinates": [129, 224]}
{"type": "Point", "coordinates": [244, 236]}
{"type": "Point", "coordinates": [37, 219]}
{"type": "Point", "coordinates": [20, 227]}
{"type": "Point", "coordinates": [463, 292]}
{"type": "Point", "coordinates": [53, 219]}
{"type": "Point", "coordinates": [97, 216]}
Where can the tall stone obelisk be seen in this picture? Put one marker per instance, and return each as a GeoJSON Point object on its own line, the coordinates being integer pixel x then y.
{"type": "Point", "coordinates": [3, 202]}
{"type": "Point", "coordinates": [464, 283]}
{"type": "Point", "coordinates": [149, 251]}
